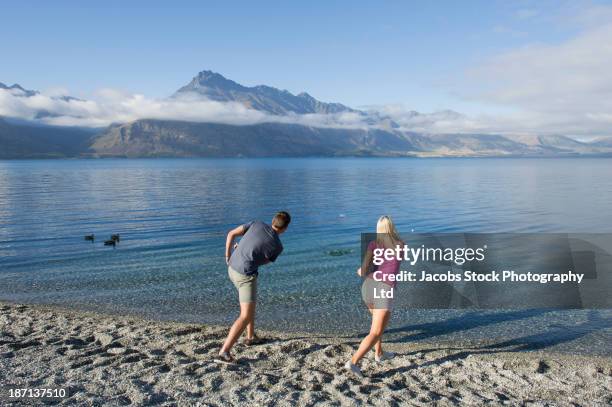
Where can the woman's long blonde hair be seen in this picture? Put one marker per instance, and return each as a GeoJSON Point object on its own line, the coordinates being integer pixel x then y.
{"type": "Point", "coordinates": [386, 234]}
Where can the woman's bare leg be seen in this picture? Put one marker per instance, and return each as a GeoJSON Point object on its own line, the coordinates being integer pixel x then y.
{"type": "Point", "coordinates": [380, 318]}
{"type": "Point", "coordinates": [378, 346]}
{"type": "Point", "coordinates": [247, 315]}
{"type": "Point", "coordinates": [250, 330]}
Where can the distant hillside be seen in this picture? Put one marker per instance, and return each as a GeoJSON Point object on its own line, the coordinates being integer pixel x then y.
{"type": "Point", "coordinates": [603, 143]}
{"type": "Point", "coordinates": [33, 141]}
{"type": "Point", "coordinates": [148, 138]}
{"type": "Point", "coordinates": [162, 138]}
{"type": "Point", "coordinates": [182, 139]}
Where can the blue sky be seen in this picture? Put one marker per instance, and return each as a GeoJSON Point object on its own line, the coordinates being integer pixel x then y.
{"type": "Point", "coordinates": [424, 55]}
{"type": "Point", "coordinates": [356, 53]}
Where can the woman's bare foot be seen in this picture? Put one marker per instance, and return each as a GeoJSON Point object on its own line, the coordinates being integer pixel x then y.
{"type": "Point", "coordinates": [224, 357]}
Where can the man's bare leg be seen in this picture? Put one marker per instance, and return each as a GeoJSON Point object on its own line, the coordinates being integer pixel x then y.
{"type": "Point", "coordinates": [250, 330]}
{"type": "Point", "coordinates": [247, 316]}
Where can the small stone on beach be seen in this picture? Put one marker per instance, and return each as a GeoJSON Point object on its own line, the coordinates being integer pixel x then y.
{"type": "Point", "coordinates": [103, 339]}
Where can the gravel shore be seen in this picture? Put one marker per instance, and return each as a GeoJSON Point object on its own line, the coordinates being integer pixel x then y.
{"type": "Point", "coordinates": [123, 360]}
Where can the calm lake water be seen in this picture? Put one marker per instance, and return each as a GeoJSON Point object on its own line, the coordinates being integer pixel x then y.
{"type": "Point", "coordinates": [173, 215]}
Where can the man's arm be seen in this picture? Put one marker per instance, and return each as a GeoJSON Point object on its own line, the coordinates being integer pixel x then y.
{"type": "Point", "coordinates": [239, 231]}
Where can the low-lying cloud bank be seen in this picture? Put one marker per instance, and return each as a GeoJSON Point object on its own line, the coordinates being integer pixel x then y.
{"type": "Point", "coordinates": [111, 106]}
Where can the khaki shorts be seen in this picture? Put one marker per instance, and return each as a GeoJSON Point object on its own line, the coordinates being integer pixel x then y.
{"type": "Point", "coordinates": [368, 289]}
{"type": "Point", "coordinates": [246, 285]}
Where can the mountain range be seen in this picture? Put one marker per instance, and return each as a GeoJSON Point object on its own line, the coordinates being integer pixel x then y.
{"type": "Point", "coordinates": [279, 135]}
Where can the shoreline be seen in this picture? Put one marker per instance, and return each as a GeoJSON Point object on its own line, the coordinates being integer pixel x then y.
{"type": "Point", "coordinates": [122, 360]}
{"type": "Point", "coordinates": [426, 330]}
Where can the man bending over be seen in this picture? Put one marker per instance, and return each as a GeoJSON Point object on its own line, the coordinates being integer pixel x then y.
{"type": "Point", "coordinates": [260, 244]}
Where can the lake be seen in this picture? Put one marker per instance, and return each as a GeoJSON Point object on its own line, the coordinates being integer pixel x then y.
{"type": "Point", "coordinates": [173, 215]}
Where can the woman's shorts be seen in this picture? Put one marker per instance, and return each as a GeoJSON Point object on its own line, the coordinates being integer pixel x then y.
{"type": "Point", "coordinates": [246, 285]}
{"type": "Point", "coordinates": [369, 288]}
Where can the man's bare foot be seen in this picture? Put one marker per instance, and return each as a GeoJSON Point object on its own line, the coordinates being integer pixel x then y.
{"type": "Point", "coordinates": [255, 340]}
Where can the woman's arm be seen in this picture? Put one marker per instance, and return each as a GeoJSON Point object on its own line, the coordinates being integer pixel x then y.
{"type": "Point", "coordinates": [239, 231]}
{"type": "Point", "coordinates": [367, 260]}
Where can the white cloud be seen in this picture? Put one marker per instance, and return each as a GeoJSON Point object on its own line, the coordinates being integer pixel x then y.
{"type": "Point", "coordinates": [502, 29]}
{"type": "Point", "coordinates": [113, 106]}
{"type": "Point", "coordinates": [444, 121]}
{"type": "Point", "coordinates": [563, 88]}
{"type": "Point", "coordinates": [527, 13]}
{"type": "Point", "coordinates": [594, 15]}
{"type": "Point", "coordinates": [56, 92]}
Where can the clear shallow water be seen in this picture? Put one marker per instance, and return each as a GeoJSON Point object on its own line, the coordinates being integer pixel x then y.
{"type": "Point", "coordinates": [173, 216]}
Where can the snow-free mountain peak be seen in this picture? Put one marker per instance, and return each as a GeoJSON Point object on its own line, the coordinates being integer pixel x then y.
{"type": "Point", "coordinates": [215, 86]}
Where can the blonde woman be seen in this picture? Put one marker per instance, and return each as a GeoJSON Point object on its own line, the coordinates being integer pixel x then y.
{"type": "Point", "coordinates": [380, 308]}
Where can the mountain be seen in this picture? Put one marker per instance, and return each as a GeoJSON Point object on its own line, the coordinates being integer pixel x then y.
{"type": "Point", "coordinates": [154, 138]}
{"type": "Point", "coordinates": [264, 98]}
{"type": "Point", "coordinates": [16, 87]}
{"type": "Point", "coordinates": [151, 138]}
{"type": "Point", "coordinates": [602, 142]}
{"type": "Point", "coordinates": [165, 138]}
{"type": "Point", "coordinates": [35, 141]}
{"type": "Point", "coordinates": [18, 91]}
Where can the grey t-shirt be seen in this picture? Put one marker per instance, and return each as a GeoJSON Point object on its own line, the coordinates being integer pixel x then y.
{"type": "Point", "coordinates": [259, 245]}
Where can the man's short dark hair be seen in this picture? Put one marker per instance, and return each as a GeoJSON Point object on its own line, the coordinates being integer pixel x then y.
{"type": "Point", "coordinates": [281, 220]}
